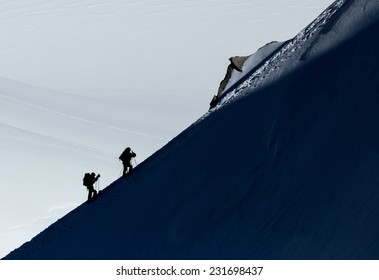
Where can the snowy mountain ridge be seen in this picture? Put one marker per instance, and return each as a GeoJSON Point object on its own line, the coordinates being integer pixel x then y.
{"type": "Point", "coordinates": [284, 171]}
{"type": "Point", "coordinates": [276, 61]}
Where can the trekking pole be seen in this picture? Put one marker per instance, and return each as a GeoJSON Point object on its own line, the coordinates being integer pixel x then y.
{"type": "Point", "coordinates": [98, 185]}
{"type": "Point", "coordinates": [135, 161]}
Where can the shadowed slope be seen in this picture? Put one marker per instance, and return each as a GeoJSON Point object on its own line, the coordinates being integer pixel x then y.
{"type": "Point", "coordinates": [289, 171]}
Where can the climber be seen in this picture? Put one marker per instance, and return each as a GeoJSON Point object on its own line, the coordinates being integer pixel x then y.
{"type": "Point", "coordinates": [88, 181]}
{"type": "Point", "coordinates": [126, 158]}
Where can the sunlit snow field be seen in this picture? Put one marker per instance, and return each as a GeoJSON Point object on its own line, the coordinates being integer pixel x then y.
{"type": "Point", "coordinates": [81, 80]}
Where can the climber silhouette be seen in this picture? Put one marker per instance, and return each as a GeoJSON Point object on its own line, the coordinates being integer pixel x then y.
{"type": "Point", "coordinates": [88, 181]}
{"type": "Point", "coordinates": [126, 158]}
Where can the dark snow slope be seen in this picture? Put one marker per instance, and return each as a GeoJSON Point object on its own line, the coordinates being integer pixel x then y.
{"type": "Point", "coordinates": [287, 168]}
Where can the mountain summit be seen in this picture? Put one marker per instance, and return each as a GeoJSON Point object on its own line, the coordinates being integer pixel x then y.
{"type": "Point", "coordinates": [285, 167]}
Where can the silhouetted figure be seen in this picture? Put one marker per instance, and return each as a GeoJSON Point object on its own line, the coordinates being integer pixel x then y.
{"type": "Point", "coordinates": [213, 102]}
{"type": "Point", "coordinates": [126, 158]}
{"type": "Point", "coordinates": [88, 181]}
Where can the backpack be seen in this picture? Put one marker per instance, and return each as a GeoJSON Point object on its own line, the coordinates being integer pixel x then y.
{"type": "Point", "coordinates": [87, 180]}
{"type": "Point", "coordinates": [125, 155]}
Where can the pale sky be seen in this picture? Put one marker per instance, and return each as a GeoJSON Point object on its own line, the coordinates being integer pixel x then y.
{"type": "Point", "coordinates": [132, 47]}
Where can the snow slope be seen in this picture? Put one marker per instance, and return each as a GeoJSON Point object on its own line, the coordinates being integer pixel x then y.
{"type": "Point", "coordinates": [136, 74]}
{"type": "Point", "coordinates": [67, 46]}
{"type": "Point", "coordinates": [251, 64]}
{"type": "Point", "coordinates": [98, 47]}
{"type": "Point", "coordinates": [48, 140]}
{"type": "Point", "coordinates": [284, 168]}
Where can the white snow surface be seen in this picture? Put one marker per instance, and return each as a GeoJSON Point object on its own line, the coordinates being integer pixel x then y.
{"type": "Point", "coordinates": [252, 63]}
{"type": "Point", "coordinates": [96, 47]}
{"type": "Point", "coordinates": [80, 80]}
{"type": "Point", "coordinates": [284, 168]}
{"type": "Point", "coordinates": [46, 152]}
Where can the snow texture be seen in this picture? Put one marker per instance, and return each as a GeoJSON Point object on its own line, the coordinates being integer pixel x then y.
{"type": "Point", "coordinates": [285, 168]}
{"type": "Point", "coordinates": [81, 80]}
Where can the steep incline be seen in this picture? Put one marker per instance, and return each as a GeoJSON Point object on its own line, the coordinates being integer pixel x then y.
{"type": "Point", "coordinates": [286, 169]}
